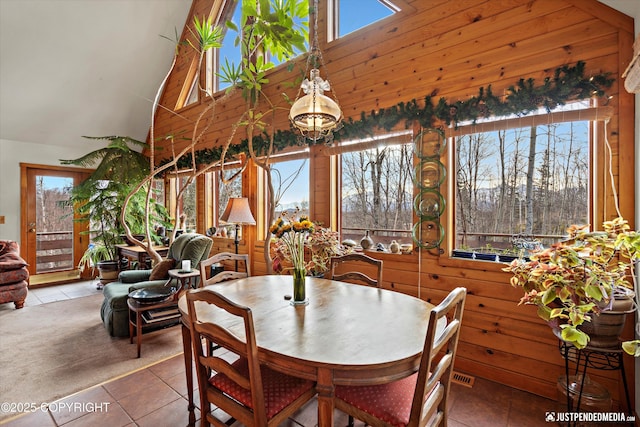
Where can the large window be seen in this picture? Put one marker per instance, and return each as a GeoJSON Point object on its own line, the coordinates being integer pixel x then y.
{"type": "Point", "coordinates": [377, 193]}
{"type": "Point", "coordinates": [520, 187]}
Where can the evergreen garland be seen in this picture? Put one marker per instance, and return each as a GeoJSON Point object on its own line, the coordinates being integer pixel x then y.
{"type": "Point", "coordinates": [568, 83]}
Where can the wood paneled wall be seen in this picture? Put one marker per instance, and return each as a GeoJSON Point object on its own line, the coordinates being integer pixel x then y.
{"type": "Point", "coordinates": [450, 49]}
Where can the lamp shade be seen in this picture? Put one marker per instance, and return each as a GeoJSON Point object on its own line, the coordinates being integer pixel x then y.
{"type": "Point", "coordinates": [238, 212]}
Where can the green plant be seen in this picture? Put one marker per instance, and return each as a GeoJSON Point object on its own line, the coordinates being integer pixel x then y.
{"type": "Point", "coordinates": [576, 279]}
{"type": "Point", "coordinates": [99, 199]}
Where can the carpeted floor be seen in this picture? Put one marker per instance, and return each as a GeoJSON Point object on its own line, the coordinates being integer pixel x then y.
{"type": "Point", "coordinates": [53, 350]}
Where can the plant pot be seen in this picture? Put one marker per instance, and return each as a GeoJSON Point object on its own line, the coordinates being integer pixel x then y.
{"type": "Point", "coordinates": [507, 258]}
{"type": "Point", "coordinates": [485, 257]}
{"type": "Point", "coordinates": [108, 270]}
{"type": "Point", "coordinates": [604, 330]}
{"type": "Point", "coordinates": [459, 253]}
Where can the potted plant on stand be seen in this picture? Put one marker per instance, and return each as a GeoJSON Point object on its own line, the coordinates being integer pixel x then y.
{"type": "Point", "coordinates": [579, 283]}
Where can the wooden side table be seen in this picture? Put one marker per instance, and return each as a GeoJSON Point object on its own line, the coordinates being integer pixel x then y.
{"type": "Point", "coordinates": [160, 312]}
{"type": "Point", "coordinates": [164, 314]}
{"type": "Point", "coordinates": [186, 278]}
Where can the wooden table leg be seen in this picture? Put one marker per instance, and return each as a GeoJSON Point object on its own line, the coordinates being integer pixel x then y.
{"type": "Point", "coordinates": [325, 389]}
{"type": "Point", "coordinates": [139, 330]}
{"type": "Point", "coordinates": [131, 326]}
{"type": "Point", "coordinates": [188, 366]}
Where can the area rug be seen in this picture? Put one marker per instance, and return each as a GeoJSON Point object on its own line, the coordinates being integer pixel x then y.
{"type": "Point", "coordinates": [52, 350]}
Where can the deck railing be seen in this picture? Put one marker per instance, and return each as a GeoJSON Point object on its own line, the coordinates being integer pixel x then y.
{"type": "Point", "coordinates": [54, 251]}
{"type": "Point", "coordinates": [378, 235]}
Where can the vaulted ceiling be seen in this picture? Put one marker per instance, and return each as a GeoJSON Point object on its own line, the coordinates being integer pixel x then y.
{"type": "Point", "coordinates": [83, 67]}
{"type": "Point", "coordinates": [92, 67]}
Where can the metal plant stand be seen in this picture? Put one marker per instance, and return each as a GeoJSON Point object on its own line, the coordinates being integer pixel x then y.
{"type": "Point", "coordinates": [608, 359]}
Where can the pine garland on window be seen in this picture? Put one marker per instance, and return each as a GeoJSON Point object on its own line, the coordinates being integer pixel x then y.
{"type": "Point", "coordinates": [568, 83]}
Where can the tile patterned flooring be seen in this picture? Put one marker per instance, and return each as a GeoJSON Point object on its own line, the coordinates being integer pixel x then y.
{"type": "Point", "coordinates": [156, 395]}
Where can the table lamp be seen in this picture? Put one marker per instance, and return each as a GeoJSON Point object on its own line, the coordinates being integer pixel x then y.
{"type": "Point", "coordinates": [238, 213]}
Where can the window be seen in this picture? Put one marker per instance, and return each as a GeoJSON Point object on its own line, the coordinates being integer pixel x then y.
{"type": "Point", "coordinates": [189, 94]}
{"type": "Point", "coordinates": [186, 204]}
{"type": "Point", "coordinates": [377, 191]}
{"type": "Point", "coordinates": [229, 55]}
{"type": "Point", "coordinates": [192, 97]}
{"type": "Point", "coordinates": [358, 14]}
{"type": "Point", "coordinates": [229, 189]}
{"type": "Point", "coordinates": [291, 186]}
{"type": "Point", "coordinates": [520, 186]}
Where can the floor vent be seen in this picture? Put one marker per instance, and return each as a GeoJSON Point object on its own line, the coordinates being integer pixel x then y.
{"type": "Point", "coordinates": [463, 379]}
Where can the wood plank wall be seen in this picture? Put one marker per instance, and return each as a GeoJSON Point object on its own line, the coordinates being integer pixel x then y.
{"type": "Point", "coordinates": [450, 49]}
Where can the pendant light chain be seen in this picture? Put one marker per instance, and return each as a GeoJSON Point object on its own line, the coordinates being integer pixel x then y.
{"type": "Point", "coordinates": [316, 52]}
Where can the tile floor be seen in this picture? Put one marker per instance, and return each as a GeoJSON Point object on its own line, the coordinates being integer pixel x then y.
{"type": "Point", "coordinates": [156, 396]}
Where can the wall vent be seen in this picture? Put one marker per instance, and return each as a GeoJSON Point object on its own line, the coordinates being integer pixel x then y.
{"type": "Point", "coordinates": [463, 379]}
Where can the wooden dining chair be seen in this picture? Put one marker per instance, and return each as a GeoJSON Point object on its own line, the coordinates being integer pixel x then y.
{"type": "Point", "coordinates": [241, 261]}
{"type": "Point", "coordinates": [355, 276]}
{"type": "Point", "coordinates": [420, 399]}
{"type": "Point", "coordinates": [249, 392]}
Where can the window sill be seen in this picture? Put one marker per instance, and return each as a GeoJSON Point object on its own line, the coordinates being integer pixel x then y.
{"type": "Point", "coordinates": [472, 264]}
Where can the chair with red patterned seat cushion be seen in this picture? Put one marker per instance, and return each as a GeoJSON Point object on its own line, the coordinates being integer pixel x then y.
{"type": "Point", "coordinates": [420, 399]}
{"type": "Point", "coordinates": [252, 394]}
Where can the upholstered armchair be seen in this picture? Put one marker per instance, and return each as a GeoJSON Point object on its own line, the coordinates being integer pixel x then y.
{"type": "Point", "coordinates": [115, 313]}
{"type": "Point", "coordinates": [14, 276]}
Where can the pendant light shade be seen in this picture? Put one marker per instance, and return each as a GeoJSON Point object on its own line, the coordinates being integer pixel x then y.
{"type": "Point", "coordinates": [315, 115]}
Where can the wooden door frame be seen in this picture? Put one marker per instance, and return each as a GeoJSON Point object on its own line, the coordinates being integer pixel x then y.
{"type": "Point", "coordinates": [80, 241]}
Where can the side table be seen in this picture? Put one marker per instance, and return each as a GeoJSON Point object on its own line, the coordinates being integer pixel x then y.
{"type": "Point", "coordinates": [163, 314]}
{"type": "Point", "coordinates": [186, 278]}
{"type": "Point", "coordinates": [594, 358]}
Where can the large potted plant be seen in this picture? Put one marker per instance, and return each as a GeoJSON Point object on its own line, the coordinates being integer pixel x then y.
{"type": "Point", "coordinates": [580, 281]}
{"type": "Point", "coordinates": [99, 200]}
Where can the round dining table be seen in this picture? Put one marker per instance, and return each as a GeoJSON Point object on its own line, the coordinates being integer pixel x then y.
{"type": "Point", "coordinates": [346, 335]}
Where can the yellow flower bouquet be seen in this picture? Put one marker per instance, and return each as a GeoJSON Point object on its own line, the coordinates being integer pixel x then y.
{"type": "Point", "coordinates": [291, 238]}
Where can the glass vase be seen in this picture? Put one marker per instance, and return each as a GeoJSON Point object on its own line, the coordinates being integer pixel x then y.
{"type": "Point", "coordinates": [299, 286]}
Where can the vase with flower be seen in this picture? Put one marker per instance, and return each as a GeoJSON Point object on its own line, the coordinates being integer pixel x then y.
{"type": "Point", "coordinates": [292, 238]}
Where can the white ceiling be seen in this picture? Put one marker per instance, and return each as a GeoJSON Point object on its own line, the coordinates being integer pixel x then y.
{"type": "Point", "coordinates": [83, 67]}
{"type": "Point", "coordinates": [92, 67]}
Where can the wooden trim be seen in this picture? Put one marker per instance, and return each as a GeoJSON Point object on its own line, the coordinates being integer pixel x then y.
{"type": "Point", "coordinates": [55, 168]}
